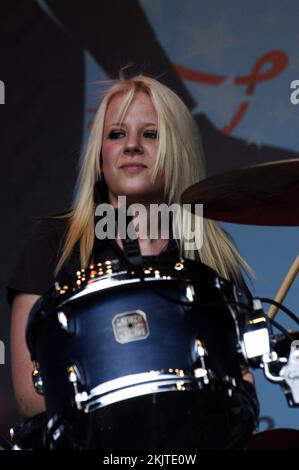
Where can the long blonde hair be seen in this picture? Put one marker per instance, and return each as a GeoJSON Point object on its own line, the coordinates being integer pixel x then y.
{"type": "Point", "coordinates": [179, 157]}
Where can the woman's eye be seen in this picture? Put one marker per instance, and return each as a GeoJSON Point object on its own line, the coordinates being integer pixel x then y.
{"type": "Point", "coordinates": [150, 134]}
{"type": "Point", "coordinates": [116, 134]}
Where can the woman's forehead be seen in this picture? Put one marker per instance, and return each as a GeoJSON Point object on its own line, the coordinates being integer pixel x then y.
{"type": "Point", "coordinates": [141, 107]}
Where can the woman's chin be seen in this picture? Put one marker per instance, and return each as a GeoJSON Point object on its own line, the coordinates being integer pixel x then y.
{"type": "Point", "coordinates": [141, 194]}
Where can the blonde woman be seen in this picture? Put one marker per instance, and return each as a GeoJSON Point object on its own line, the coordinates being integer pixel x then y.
{"type": "Point", "coordinates": [143, 145]}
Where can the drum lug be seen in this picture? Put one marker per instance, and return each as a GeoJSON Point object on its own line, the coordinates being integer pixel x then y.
{"type": "Point", "coordinates": [37, 380]}
{"type": "Point", "coordinates": [13, 443]}
{"type": "Point", "coordinates": [190, 294]}
{"type": "Point", "coordinates": [63, 320]}
{"type": "Point", "coordinates": [54, 431]}
{"type": "Point", "coordinates": [200, 353]}
{"type": "Point", "coordinates": [75, 379]}
{"type": "Point", "coordinates": [12, 434]}
{"type": "Point", "coordinates": [203, 374]}
{"type": "Point", "coordinates": [231, 384]}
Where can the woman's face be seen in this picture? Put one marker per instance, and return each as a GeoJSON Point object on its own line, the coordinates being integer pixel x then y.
{"type": "Point", "coordinates": [129, 151]}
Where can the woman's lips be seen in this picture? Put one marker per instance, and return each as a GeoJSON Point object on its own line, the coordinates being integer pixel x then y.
{"type": "Point", "coordinates": [133, 168]}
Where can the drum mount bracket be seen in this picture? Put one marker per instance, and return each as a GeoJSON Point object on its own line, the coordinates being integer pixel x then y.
{"type": "Point", "coordinates": [288, 375]}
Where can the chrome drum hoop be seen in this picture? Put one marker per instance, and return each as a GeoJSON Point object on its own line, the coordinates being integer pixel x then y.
{"type": "Point", "coordinates": [148, 383]}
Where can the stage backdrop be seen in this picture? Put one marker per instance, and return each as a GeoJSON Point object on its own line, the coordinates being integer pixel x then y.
{"type": "Point", "coordinates": [231, 62]}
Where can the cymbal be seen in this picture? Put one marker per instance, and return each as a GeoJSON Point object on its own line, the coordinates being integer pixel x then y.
{"type": "Point", "coordinates": [275, 439]}
{"type": "Point", "coordinates": [264, 194]}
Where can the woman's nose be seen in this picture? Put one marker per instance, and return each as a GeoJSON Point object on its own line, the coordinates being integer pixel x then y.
{"type": "Point", "coordinates": [133, 145]}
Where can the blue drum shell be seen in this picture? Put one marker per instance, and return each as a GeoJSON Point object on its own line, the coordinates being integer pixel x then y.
{"type": "Point", "coordinates": [173, 325]}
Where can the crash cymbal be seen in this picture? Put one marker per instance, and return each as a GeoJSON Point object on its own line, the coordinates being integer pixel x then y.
{"type": "Point", "coordinates": [265, 194]}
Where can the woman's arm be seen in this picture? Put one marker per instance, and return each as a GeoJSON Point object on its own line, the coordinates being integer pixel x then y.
{"type": "Point", "coordinates": [29, 402]}
{"type": "Point", "coordinates": [246, 375]}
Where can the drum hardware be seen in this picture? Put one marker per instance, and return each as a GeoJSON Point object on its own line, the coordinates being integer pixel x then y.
{"type": "Point", "coordinates": [258, 345]}
{"type": "Point", "coordinates": [37, 380]}
{"type": "Point", "coordinates": [288, 375]}
{"type": "Point", "coordinates": [189, 355]}
{"type": "Point", "coordinates": [284, 371]}
{"type": "Point", "coordinates": [272, 359]}
{"type": "Point", "coordinates": [54, 431]}
{"type": "Point", "coordinates": [12, 434]}
{"type": "Point", "coordinates": [16, 447]}
{"type": "Point", "coordinates": [201, 353]}
{"type": "Point", "coordinates": [240, 307]}
{"type": "Point", "coordinates": [231, 384]}
{"type": "Point", "coordinates": [201, 372]}
{"type": "Point", "coordinates": [145, 383]}
{"type": "Point", "coordinates": [256, 337]}
{"type": "Point", "coordinates": [8, 445]}
{"type": "Point", "coordinates": [123, 278]}
{"type": "Point", "coordinates": [190, 294]}
{"type": "Point", "coordinates": [29, 435]}
{"type": "Point", "coordinates": [63, 320]}
{"type": "Point", "coordinates": [75, 379]}
{"type": "Point", "coordinates": [109, 281]}
{"type": "Point", "coordinates": [179, 265]}
{"type": "Point", "coordinates": [259, 349]}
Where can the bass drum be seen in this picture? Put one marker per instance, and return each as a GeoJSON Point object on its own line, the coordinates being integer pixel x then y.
{"type": "Point", "coordinates": [147, 359]}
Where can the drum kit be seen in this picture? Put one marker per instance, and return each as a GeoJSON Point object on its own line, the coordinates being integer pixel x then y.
{"type": "Point", "coordinates": [143, 356]}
